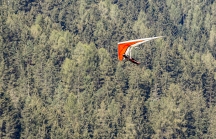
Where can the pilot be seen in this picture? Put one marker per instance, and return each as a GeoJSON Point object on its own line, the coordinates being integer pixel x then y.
{"type": "Point", "coordinates": [130, 59]}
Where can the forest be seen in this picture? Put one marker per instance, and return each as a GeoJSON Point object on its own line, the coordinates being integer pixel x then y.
{"type": "Point", "coordinates": [60, 77]}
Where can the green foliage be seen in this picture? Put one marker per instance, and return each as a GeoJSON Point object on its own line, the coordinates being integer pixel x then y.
{"type": "Point", "coordinates": [9, 121]}
{"type": "Point", "coordinates": [36, 30]}
{"type": "Point", "coordinates": [167, 114]}
{"type": "Point", "coordinates": [60, 77]}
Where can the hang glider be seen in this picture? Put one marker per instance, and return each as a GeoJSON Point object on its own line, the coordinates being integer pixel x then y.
{"type": "Point", "coordinates": [125, 48]}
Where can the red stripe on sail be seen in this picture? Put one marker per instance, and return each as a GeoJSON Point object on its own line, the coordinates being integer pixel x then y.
{"type": "Point", "coordinates": [122, 48]}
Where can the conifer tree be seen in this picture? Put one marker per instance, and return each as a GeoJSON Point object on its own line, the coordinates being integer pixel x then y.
{"type": "Point", "coordinates": [10, 126]}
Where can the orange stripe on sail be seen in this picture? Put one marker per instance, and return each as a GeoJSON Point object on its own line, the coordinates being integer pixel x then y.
{"type": "Point", "coordinates": [122, 48]}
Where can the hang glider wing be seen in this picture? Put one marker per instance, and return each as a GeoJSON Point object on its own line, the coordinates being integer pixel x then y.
{"type": "Point", "coordinates": [126, 46]}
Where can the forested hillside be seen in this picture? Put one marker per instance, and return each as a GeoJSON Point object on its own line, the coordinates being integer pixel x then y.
{"type": "Point", "coordinates": [60, 77]}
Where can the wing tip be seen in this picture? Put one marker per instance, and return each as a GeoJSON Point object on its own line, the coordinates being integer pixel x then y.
{"type": "Point", "coordinates": [140, 39]}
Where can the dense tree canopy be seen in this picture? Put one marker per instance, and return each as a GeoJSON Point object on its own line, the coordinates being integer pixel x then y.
{"type": "Point", "coordinates": [60, 77]}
